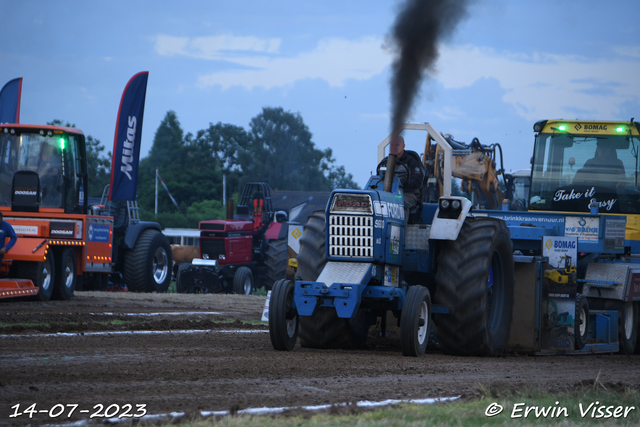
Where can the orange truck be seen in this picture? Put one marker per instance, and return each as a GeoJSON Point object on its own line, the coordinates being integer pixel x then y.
{"type": "Point", "coordinates": [63, 243]}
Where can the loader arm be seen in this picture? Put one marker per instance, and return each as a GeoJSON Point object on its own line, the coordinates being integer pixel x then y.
{"type": "Point", "coordinates": [474, 164]}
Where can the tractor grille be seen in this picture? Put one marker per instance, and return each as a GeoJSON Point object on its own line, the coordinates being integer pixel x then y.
{"type": "Point", "coordinates": [351, 236]}
{"type": "Point", "coordinates": [207, 226]}
{"type": "Point", "coordinates": [213, 248]}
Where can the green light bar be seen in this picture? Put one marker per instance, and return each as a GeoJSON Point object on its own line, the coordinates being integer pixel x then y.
{"type": "Point", "coordinates": [562, 127]}
{"type": "Point", "coordinates": [620, 129]}
{"type": "Point", "coordinates": [62, 143]}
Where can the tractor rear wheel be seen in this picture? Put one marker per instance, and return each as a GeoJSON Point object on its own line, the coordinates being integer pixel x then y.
{"type": "Point", "coordinates": [324, 329]}
{"type": "Point", "coordinates": [65, 279]}
{"type": "Point", "coordinates": [243, 281]}
{"type": "Point", "coordinates": [283, 318]}
{"type": "Point", "coordinates": [414, 321]}
{"type": "Point", "coordinates": [475, 278]}
{"type": "Point", "coordinates": [147, 267]}
{"type": "Point", "coordinates": [628, 327]}
{"type": "Point", "coordinates": [275, 258]}
{"type": "Point", "coordinates": [42, 275]}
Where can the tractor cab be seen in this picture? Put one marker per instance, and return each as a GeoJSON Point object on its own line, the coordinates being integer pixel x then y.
{"type": "Point", "coordinates": [576, 164]}
{"type": "Point", "coordinates": [589, 167]}
{"type": "Point", "coordinates": [42, 167]}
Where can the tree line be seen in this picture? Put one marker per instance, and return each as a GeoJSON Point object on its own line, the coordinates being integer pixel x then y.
{"type": "Point", "coordinates": [277, 149]}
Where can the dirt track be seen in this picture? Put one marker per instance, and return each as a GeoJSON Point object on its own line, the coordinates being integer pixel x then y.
{"type": "Point", "coordinates": [230, 364]}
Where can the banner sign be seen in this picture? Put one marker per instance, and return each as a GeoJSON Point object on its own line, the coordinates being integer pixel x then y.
{"type": "Point", "coordinates": [10, 101]}
{"type": "Point", "coordinates": [126, 144]}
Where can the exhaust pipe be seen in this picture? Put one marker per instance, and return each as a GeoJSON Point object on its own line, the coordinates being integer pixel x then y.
{"type": "Point", "coordinates": [230, 209]}
{"type": "Point", "coordinates": [391, 163]}
{"type": "Point", "coordinates": [388, 176]}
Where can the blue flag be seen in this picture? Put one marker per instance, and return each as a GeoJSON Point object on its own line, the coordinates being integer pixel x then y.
{"type": "Point", "coordinates": [10, 101]}
{"type": "Point", "coordinates": [126, 145]}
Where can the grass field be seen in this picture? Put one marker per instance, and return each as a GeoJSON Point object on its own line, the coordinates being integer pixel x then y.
{"type": "Point", "coordinates": [589, 406]}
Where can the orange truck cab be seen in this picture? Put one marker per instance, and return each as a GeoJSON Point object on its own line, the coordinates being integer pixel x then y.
{"type": "Point", "coordinates": [62, 242]}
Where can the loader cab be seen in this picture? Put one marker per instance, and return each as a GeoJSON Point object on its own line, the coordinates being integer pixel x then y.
{"type": "Point", "coordinates": [518, 188]}
{"type": "Point", "coordinates": [55, 155]}
{"type": "Point", "coordinates": [578, 165]}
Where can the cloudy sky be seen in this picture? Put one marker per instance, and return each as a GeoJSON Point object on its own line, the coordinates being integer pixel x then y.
{"type": "Point", "coordinates": [507, 65]}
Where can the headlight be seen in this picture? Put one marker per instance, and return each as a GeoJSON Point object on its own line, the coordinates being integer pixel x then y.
{"type": "Point", "coordinates": [450, 208]}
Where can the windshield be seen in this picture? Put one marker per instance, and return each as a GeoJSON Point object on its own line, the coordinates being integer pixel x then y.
{"type": "Point", "coordinates": [54, 157]}
{"type": "Point", "coordinates": [570, 172]}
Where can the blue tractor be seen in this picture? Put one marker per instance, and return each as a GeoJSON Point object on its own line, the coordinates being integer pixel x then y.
{"type": "Point", "coordinates": [361, 260]}
{"type": "Point", "coordinates": [558, 272]}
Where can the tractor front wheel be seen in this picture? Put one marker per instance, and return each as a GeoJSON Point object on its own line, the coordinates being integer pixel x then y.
{"type": "Point", "coordinates": [180, 286]}
{"type": "Point", "coordinates": [243, 281]}
{"type": "Point", "coordinates": [283, 317]}
{"type": "Point", "coordinates": [324, 329]}
{"type": "Point", "coordinates": [414, 321]}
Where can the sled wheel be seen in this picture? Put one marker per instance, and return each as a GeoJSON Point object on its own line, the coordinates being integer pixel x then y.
{"type": "Point", "coordinates": [581, 321]}
{"type": "Point", "coordinates": [628, 327]}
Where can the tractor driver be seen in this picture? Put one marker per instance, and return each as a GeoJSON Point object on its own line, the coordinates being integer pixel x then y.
{"type": "Point", "coordinates": [49, 167]}
{"type": "Point", "coordinates": [604, 167]}
{"type": "Point", "coordinates": [410, 171]}
{"type": "Point", "coordinates": [49, 164]}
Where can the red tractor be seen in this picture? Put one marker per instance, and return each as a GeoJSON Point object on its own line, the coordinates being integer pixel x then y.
{"type": "Point", "coordinates": [240, 253]}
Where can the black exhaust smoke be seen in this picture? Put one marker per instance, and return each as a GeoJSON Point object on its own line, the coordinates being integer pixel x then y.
{"type": "Point", "coordinates": [419, 27]}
